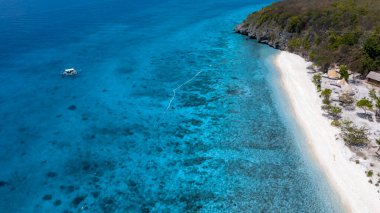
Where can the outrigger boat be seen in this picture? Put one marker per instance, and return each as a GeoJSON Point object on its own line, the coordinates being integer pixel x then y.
{"type": "Point", "coordinates": [70, 72]}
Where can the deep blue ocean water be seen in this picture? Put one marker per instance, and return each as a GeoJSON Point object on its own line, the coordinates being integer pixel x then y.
{"type": "Point", "coordinates": [116, 138]}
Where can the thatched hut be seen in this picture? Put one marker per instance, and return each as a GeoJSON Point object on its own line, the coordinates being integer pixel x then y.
{"type": "Point", "coordinates": [373, 78]}
{"type": "Point", "coordinates": [333, 74]}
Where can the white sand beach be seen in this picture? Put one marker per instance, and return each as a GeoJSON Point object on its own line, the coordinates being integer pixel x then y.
{"type": "Point", "coordinates": [347, 178]}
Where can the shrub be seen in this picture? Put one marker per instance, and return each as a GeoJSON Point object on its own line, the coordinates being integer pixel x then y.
{"type": "Point", "coordinates": [295, 24]}
{"type": "Point", "coordinates": [341, 31]}
{"type": "Point", "coordinates": [349, 39]}
{"type": "Point", "coordinates": [370, 173]}
{"type": "Point", "coordinates": [353, 135]}
{"type": "Point", "coordinates": [335, 123]}
{"type": "Point", "coordinates": [372, 46]}
{"type": "Point", "coordinates": [326, 101]}
{"type": "Point", "coordinates": [376, 98]}
{"type": "Point", "coordinates": [343, 71]}
{"type": "Point", "coordinates": [364, 104]}
{"type": "Point", "coordinates": [295, 43]}
{"type": "Point", "coordinates": [372, 94]}
{"type": "Point", "coordinates": [326, 93]}
{"type": "Point", "coordinates": [335, 112]}
{"type": "Point", "coordinates": [317, 79]}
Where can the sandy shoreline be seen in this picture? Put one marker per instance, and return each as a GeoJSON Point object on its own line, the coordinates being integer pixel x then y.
{"type": "Point", "coordinates": [346, 178]}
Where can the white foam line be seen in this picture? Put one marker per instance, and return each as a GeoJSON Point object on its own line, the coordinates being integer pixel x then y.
{"type": "Point", "coordinates": [179, 87]}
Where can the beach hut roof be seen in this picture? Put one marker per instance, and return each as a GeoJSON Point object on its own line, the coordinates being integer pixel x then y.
{"type": "Point", "coordinates": [332, 74]}
{"type": "Point", "coordinates": [374, 76]}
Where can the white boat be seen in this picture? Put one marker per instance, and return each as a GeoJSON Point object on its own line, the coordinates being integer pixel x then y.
{"type": "Point", "coordinates": [69, 72]}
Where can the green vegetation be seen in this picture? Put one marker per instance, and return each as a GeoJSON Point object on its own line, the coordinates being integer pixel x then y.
{"type": "Point", "coordinates": [364, 104]}
{"type": "Point", "coordinates": [376, 98]}
{"type": "Point", "coordinates": [326, 93]}
{"type": "Point", "coordinates": [317, 79]}
{"type": "Point", "coordinates": [353, 135]}
{"type": "Point", "coordinates": [336, 123]}
{"type": "Point", "coordinates": [343, 71]}
{"type": "Point", "coordinates": [335, 112]}
{"type": "Point", "coordinates": [370, 173]}
{"type": "Point", "coordinates": [339, 31]}
{"type": "Point", "coordinates": [378, 148]}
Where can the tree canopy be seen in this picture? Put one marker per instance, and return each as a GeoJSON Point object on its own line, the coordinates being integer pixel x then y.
{"type": "Point", "coordinates": [364, 104]}
{"type": "Point", "coordinates": [354, 135]}
{"type": "Point", "coordinates": [328, 32]}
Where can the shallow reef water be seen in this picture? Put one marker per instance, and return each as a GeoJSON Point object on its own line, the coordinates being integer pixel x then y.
{"type": "Point", "coordinates": [116, 138]}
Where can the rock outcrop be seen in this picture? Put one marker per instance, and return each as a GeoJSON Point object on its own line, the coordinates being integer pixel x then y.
{"type": "Point", "coordinates": [274, 37]}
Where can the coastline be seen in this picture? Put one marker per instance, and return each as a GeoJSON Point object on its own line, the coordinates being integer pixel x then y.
{"type": "Point", "coordinates": [346, 178]}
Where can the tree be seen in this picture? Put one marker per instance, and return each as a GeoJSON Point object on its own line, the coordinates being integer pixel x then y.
{"type": "Point", "coordinates": [343, 71]}
{"type": "Point", "coordinates": [354, 135]}
{"type": "Point", "coordinates": [364, 104]}
{"type": "Point", "coordinates": [335, 112]}
{"type": "Point", "coordinates": [317, 78]}
{"type": "Point", "coordinates": [326, 93]}
{"type": "Point", "coordinates": [372, 46]}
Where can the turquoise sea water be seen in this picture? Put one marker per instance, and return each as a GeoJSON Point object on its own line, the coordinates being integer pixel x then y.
{"type": "Point", "coordinates": [116, 138]}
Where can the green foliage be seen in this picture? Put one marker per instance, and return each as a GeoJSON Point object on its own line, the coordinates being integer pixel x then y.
{"type": "Point", "coordinates": [336, 123]}
{"type": "Point", "coordinates": [372, 94]}
{"type": "Point", "coordinates": [376, 98]}
{"type": "Point", "coordinates": [377, 104]}
{"type": "Point", "coordinates": [370, 173]}
{"type": "Point", "coordinates": [349, 39]}
{"type": "Point", "coordinates": [295, 43]}
{"type": "Point", "coordinates": [326, 93]}
{"type": "Point", "coordinates": [312, 55]}
{"type": "Point", "coordinates": [354, 135]}
{"type": "Point", "coordinates": [343, 71]}
{"type": "Point", "coordinates": [263, 18]}
{"type": "Point", "coordinates": [317, 78]}
{"type": "Point", "coordinates": [335, 112]}
{"type": "Point", "coordinates": [378, 149]}
{"type": "Point", "coordinates": [298, 43]}
{"type": "Point", "coordinates": [352, 26]}
{"type": "Point", "coordinates": [364, 104]}
{"type": "Point", "coordinates": [336, 40]}
{"type": "Point", "coordinates": [295, 25]}
{"type": "Point", "coordinates": [372, 46]}
{"type": "Point", "coordinates": [326, 101]}
{"type": "Point", "coordinates": [319, 88]}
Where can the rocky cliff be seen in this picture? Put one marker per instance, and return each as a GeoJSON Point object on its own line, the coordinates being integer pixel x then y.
{"type": "Point", "coordinates": [267, 34]}
{"type": "Point", "coordinates": [324, 31]}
